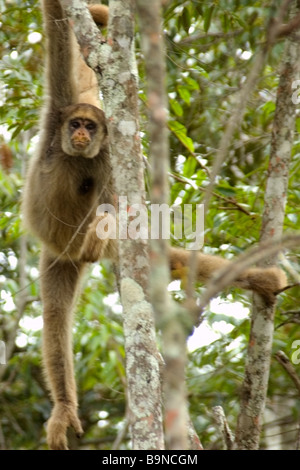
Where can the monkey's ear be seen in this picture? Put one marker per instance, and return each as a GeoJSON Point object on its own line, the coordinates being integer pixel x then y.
{"type": "Point", "coordinates": [102, 120]}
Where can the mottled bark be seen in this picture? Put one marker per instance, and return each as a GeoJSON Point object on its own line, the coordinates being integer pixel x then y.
{"type": "Point", "coordinates": [255, 384]}
{"type": "Point", "coordinates": [114, 63]}
{"type": "Point", "coordinates": [222, 424]}
{"type": "Point", "coordinates": [168, 316]}
{"type": "Point", "coordinates": [121, 107]}
{"type": "Point", "coordinates": [193, 438]}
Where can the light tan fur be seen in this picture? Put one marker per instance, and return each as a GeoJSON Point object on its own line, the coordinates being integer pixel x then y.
{"type": "Point", "coordinates": [264, 281]}
{"type": "Point", "coordinates": [66, 181]}
{"type": "Point", "coordinates": [64, 185]}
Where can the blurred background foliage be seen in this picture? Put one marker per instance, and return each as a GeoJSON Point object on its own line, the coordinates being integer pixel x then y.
{"type": "Point", "coordinates": [210, 48]}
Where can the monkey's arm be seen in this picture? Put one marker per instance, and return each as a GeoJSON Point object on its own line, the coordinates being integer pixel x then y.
{"type": "Point", "coordinates": [69, 79]}
{"type": "Point", "coordinates": [61, 80]}
{"type": "Point", "coordinates": [264, 281]}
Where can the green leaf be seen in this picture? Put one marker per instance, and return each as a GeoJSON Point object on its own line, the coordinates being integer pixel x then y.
{"type": "Point", "coordinates": [198, 8]}
{"type": "Point", "coordinates": [176, 107]}
{"type": "Point", "coordinates": [186, 19]}
{"type": "Point", "coordinates": [226, 190]}
{"type": "Point", "coordinates": [240, 21]}
{"type": "Point", "coordinates": [180, 131]}
{"type": "Point", "coordinates": [208, 17]}
{"type": "Point", "coordinates": [298, 125]}
{"type": "Point", "coordinates": [192, 84]}
{"type": "Point", "coordinates": [225, 22]}
{"type": "Point", "coordinates": [268, 108]}
{"type": "Point", "coordinates": [184, 93]}
{"type": "Point", "coordinates": [190, 167]}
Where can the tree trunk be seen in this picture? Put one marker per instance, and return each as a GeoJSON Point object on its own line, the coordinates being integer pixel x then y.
{"type": "Point", "coordinates": [168, 316]}
{"type": "Point", "coordinates": [118, 79]}
{"type": "Point", "coordinates": [255, 384]}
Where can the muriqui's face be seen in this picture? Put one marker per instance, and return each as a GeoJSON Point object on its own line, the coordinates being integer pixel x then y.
{"type": "Point", "coordinates": [83, 133]}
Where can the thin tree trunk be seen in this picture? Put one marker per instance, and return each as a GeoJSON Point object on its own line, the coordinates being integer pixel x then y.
{"type": "Point", "coordinates": [167, 316]}
{"type": "Point", "coordinates": [255, 384]}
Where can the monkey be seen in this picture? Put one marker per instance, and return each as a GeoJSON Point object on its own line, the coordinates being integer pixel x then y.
{"type": "Point", "coordinates": [68, 177]}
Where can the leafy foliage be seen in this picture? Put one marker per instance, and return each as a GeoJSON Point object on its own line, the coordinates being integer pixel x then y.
{"type": "Point", "coordinates": [210, 48]}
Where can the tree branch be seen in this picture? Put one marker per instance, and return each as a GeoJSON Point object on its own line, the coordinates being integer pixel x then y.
{"type": "Point", "coordinates": [223, 426]}
{"type": "Point", "coordinates": [288, 367]}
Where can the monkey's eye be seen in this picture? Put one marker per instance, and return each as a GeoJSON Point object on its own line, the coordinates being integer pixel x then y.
{"type": "Point", "coordinates": [91, 126]}
{"type": "Point", "coordinates": [74, 124]}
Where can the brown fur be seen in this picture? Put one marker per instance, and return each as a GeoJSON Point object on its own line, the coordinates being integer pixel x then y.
{"type": "Point", "coordinates": [62, 191]}
{"type": "Point", "coordinates": [264, 281]}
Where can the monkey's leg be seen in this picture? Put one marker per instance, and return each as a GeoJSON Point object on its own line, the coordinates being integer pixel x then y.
{"type": "Point", "coordinates": [58, 286]}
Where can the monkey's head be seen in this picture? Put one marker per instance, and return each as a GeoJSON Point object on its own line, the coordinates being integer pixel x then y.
{"type": "Point", "coordinates": [83, 130]}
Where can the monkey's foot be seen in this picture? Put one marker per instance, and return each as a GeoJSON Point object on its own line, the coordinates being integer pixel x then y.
{"type": "Point", "coordinates": [62, 417]}
{"type": "Point", "coordinates": [99, 233]}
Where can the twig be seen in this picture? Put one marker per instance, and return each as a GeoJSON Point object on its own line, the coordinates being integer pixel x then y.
{"type": "Point", "coordinates": [229, 200]}
{"type": "Point", "coordinates": [193, 438]}
{"type": "Point", "coordinates": [121, 434]}
{"type": "Point", "coordinates": [288, 266]}
{"type": "Point", "coordinates": [291, 312]}
{"type": "Point", "coordinates": [286, 288]}
{"type": "Point", "coordinates": [273, 33]}
{"type": "Point", "coordinates": [293, 320]}
{"type": "Point", "coordinates": [289, 368]}
{"type": "Point", "coordinates": [221, 421]}
{"type": "Point", "coordinates": [208, 35]}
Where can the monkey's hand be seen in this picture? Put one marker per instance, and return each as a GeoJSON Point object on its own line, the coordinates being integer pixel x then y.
{"type": "Point", "coordinates": [98, 237]}
{"type": "Point", "coordinates": [63, 416]}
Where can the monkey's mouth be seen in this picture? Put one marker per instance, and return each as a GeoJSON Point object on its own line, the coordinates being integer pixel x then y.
{"type": "Point", "coordinates": [80, 144]}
